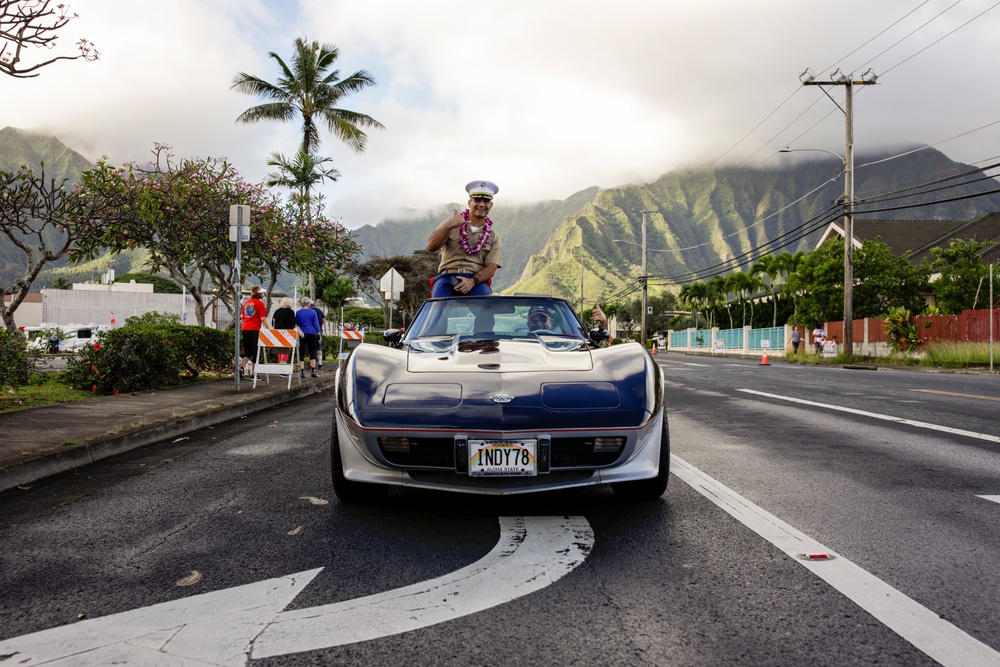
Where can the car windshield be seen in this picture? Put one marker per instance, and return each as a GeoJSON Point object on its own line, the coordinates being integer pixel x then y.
{"type": "Point", "coordinates": [496, 317]}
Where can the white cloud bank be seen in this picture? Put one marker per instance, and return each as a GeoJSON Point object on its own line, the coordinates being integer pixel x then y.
{"type": "Point", "coordinates": [542, 97]}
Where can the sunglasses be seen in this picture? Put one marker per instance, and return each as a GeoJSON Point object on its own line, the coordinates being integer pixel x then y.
{"type": "Point", "coordinates": [482, 199]}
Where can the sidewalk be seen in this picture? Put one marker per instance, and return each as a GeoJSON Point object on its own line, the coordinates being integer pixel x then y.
{"type": "Point", "coordinates": [45, 441]}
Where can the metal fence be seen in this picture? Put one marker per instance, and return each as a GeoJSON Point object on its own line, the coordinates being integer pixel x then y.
{"type": "Point", "coordinates": [98, 307]}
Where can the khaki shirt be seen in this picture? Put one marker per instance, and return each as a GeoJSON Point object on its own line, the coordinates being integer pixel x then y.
{"type": "Point", "coordinates": [455, 260]}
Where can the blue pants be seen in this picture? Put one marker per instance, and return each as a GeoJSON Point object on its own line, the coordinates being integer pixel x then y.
{"type": "Point", "coordinates": [444, 285]}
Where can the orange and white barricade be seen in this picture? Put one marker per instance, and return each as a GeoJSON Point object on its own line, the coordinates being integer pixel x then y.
{"type": "Point", "coordinates": [352, 338]}
{"type": "Point", "coordinates": [280, 338]}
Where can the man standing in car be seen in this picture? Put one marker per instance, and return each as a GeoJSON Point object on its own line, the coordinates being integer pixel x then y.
{"type": "Point", "coordinates": [470, 248]}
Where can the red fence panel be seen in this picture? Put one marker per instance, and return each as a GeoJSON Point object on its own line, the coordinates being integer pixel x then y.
{"type": "Point", "coordinates": [976, 325]}
{"type": "Point", "coordinates": [939, 327]}
{"type": "Point", "coordinates": [971, 325]}
{"type": "Point", "coordinates": [876, 330]}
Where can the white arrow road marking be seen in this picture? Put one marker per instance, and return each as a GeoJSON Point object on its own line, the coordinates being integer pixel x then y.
{"type": "Point", "coordinates": [228, 627]}
{"type": "Point", "coordinates": [532, 553]}
{"type": "Point", "coordinates": [876, 415]}
{"type": "Point", "coordinates": [208, 629]}
{"type": "Point", "coordinates": [947, 644]}
{"type": "Point", "coordinates": [995, 499]}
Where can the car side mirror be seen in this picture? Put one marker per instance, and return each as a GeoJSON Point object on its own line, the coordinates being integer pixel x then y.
{"type": "Point", "coordinates": [599, 336]}
{"type": "Point", "coordinates": [394, 337]}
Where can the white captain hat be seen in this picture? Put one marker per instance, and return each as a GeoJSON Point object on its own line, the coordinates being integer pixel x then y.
{"type": "Point", "coordinates": [482, 189]}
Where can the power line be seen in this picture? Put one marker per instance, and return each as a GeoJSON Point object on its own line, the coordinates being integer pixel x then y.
{"type": "Point", "coordinates": [948, 34]}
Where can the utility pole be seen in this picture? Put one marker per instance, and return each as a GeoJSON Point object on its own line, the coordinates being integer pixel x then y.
{"type": "Point", "coordinates": [644, 278]}
{"type": "Point", "coordinates": [847, 81]}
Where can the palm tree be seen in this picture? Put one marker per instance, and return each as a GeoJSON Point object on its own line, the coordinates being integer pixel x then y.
{"type": "Point", "coordinates": [789, 263]}
{"type": "Point", "coordinates": [310, 90]}
{"type": "Point", "coordinates": [695, 294]}
{"type": "Point", "coordinates": [300, 174]}
{"type": "Point", "coordinates": [335, 291]}
{"type": "Point", "coordinates": [743, 284]}
{"type": "Point", "coordinates": [770, 266]}
{"type": "Point", "coordinates": [718, 290]}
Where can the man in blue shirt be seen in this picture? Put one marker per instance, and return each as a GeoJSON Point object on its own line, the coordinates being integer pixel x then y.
{"type": "Point", "coordinates": [319, 338]}
{"type": "Point", "coordinates": [307, 322]}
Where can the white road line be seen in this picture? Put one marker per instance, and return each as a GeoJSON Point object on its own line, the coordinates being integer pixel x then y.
{"type": "Point", "coordinates": [875, 415]}
{"type": "Point", "coordinates": [995, 499]}
{"type": "Point", "coordinates": [683, 363]}
{"type": "Point", "coordinates": [926, 630]}
{"type": "Point", "coordinates": [227, 628]}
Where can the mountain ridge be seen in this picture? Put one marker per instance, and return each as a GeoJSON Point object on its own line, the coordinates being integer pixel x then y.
{"type": "Point", "coordinates": [700, 222]}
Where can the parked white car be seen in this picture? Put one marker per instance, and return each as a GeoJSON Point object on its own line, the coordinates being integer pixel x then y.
{"type": "Point", "coordinates": [72, 337]}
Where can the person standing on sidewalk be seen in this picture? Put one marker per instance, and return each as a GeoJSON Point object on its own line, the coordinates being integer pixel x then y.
{"type": "Point", "coordinates": [795, 339]}
{"type": "Point", "coordinates": [818, 336]}
{"type": "Point", "coordinates": [308, 324]}
{"type": "Point", "coordinates": [283, 318]}
{"type": "Point", "coordinates": [253, 316]}
{"type": "Point", "coordinates": [319, 338]}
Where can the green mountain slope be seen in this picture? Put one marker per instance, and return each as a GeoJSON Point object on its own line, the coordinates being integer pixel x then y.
{"type": "Point", "coordinates": [17, 148]}
{"type": "Point", "coordinates": [703, 222]}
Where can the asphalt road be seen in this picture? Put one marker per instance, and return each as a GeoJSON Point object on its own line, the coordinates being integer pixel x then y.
{"type": "Point", "coordinates": [679, 581]}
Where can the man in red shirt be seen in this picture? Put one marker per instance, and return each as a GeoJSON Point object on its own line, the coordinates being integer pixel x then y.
{"type": "Point", "coordinates": [253, 316]}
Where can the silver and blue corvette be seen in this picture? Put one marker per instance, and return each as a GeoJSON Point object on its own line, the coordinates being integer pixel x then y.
{"type": "Point", "coordinates": [499, 395]}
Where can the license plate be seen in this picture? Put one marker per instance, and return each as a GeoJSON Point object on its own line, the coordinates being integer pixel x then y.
{"type": "Point", "coordinates": [502, 458]}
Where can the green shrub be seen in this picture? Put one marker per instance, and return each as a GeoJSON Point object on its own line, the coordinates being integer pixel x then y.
{"type": "Point", "coordinates": [900, 333]}
{"type": "Point", "coordinates": [141, 358]}
{"type": "Point", "coordinates": [17, 362]}
{"type": "Point", "coordinates": [152, 317]}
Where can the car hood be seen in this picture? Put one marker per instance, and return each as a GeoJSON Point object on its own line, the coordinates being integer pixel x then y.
{"type": "Point", "coordinates": [446, 354]}
{"type": "Point", "coordinates": [498, 386]}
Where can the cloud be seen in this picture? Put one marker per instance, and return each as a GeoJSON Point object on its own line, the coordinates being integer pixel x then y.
{"type": "Point", "coordinates": [544, 98]}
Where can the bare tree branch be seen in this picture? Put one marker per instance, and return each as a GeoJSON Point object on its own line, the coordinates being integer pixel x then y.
{"type": "Point", "coordinates": [33, 24]}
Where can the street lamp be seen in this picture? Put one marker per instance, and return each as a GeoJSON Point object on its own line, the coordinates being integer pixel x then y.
{"type": "Point", "coordinates": [848, 169]}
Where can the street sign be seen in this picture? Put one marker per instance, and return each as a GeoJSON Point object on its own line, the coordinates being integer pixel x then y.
{"type": "Point", "coordinates": [245, 229]}
{"type": "Point", "coordinates": [391, 284]}
{"type": "Point", "coordinates": [234, 214]}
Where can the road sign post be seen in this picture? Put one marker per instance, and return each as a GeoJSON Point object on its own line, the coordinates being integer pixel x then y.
{"type": "Point", "coordinates": [391, 285]}
{"type": "Point", "coordinates": [239, 226]}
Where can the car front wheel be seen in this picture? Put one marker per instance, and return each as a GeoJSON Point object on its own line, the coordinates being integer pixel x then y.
{"type": "Point", "coordinates": [349, 491]}
{"type": "Point", "coordinates": [654, 487]}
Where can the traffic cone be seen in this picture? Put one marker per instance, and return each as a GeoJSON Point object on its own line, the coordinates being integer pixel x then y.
{"type": "Point", "coordinates": [763, 361]}
{"type": "Point", "coordinates": [654, 348]}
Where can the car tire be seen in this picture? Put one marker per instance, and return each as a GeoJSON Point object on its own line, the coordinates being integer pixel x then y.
{"type": "Point", "coordinates": [654, 487]}
{"type": "Point", "coordinates": [349, 491]}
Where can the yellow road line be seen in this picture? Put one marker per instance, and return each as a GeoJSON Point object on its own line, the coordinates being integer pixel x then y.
{"type": "Point", "coordinates": [951, 393]}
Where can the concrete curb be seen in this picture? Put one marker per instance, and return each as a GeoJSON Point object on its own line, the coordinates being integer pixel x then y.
{"type": "Point", "coordinates": [34, 469]}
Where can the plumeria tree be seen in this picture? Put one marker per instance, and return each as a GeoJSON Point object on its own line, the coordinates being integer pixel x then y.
{"type": "Point", "coordinates": [28, 27]}
{"type": "Point", "coordinates": [179, 212]}
{"type": "Point", "coordinates": [37, 217]}
{"type": "Point", "coordinates": [288, 242]}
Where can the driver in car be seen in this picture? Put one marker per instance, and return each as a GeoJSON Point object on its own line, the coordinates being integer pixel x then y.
{"type": "Point", "coordinates": [539, 319]}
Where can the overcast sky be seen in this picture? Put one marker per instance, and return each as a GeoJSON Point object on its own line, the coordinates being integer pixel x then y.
{"type": "Point", "coordinates": [544, 97]}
